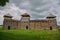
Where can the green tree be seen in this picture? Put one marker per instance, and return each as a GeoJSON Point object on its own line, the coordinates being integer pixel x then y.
{"type": "Point", "coordinates": [3, 2]}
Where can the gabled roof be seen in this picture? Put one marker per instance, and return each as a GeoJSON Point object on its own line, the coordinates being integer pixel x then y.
{"type": "Point", "coordinates": [8, 15]}
{"type": "Point", "coordinates": [25, 14]}
{"type": "Point", "coordinates": [51, 15]}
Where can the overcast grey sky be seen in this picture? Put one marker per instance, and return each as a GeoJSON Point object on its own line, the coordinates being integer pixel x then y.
{"type": "Point", "coordinates": [36, 8]}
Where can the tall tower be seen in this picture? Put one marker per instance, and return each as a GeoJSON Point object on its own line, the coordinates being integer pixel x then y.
{"type": "Point", "coordinates": [7, 21]}
{"type": "Point", "coordinates": [25, 19]}
{"type": "Point", "coordinates": [52, 21]}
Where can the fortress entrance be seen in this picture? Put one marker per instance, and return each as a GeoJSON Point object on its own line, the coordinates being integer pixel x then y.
{"type": "Point", "coordinates": [8, 27]}
{"type": "Point", "coordinates": [26, 27]}
{"type": "Point", "coordinates": [50, 27]}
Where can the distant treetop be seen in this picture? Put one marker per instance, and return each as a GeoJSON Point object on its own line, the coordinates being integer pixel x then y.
{"type": "Point", "coordinates": [3, 2]}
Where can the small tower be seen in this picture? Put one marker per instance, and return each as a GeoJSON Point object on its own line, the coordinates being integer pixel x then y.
{"type": "Point", "coordinates": [7, 21]}
{"type": "Point", "coordinates": [52, 21]}
{"type": "Point", "coordinates": [25, 19]}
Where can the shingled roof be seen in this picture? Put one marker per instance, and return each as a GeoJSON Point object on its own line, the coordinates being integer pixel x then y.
{"type": "Point", "coordinates": [8, 15]}
{"type": "Point", "coordinates": [51, 15]}
{"type": "Point", "coordinates": [25, 14]}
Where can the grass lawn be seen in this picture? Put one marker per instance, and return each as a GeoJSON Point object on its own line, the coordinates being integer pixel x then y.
{"type": "Point", "coordinates": [29, 34]}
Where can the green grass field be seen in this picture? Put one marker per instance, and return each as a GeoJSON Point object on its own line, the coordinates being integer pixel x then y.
{"type": "Point", "coordinates": [29, 35]}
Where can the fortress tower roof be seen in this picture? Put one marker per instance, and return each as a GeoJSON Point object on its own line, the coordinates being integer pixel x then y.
{"type": "Point", "coordinates": [8, 15]}
{"type": "Point", "coordinates": [25, 15]}
{"type": "Point", "coordinates": [51, 15]}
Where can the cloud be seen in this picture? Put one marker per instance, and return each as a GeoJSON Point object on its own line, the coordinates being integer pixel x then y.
{"type": "Point", "coordinates": [25, 4]}
{"type": "Point", "coordinates": [13, 10]}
